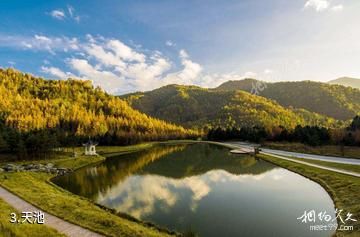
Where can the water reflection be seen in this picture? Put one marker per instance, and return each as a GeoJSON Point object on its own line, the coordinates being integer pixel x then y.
{"type": "Point", "coordinates": [205, 187]}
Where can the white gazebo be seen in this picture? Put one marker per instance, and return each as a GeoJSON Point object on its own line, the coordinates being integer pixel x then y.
{"type": "Point", "coordinates": [90, 148]}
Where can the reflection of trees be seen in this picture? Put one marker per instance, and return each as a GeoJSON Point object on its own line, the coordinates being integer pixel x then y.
{"type": "Point", "coordinates": [192, 161]}
{"type": "Point", "coordinates": [91, 181]}
{"type": "Point", "coordinates": [171, 161]}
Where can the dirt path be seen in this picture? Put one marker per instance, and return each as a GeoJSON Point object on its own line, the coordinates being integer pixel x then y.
{"type": "Point", "coordinates": [54, 222]}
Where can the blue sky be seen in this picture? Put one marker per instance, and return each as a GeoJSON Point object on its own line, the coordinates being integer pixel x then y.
{"type": "Point", "coordinates": [126, 46]}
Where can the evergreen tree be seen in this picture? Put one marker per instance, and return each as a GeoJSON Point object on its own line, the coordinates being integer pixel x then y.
{"type": "Point", "coordinates": [355, 124]}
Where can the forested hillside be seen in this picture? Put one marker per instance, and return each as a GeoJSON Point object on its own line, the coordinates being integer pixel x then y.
{"type": "Point", "coordinates": [37, 113]}
{"type": "Point", "coordinates": [335, 101]}
{"type": "Point", "coordinates": [198, 107]}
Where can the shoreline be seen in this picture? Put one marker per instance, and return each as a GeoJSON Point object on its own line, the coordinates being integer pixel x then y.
{"type": "Point", "coordinates": [296, 168]}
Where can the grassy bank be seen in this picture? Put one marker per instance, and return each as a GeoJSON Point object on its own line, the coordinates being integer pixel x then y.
{"type": "Point", "coordinates": [346, 167]}
{"type": "Point", "coordinates": [38, 190]}
{"type": "Point", "coordinates": [344, 189]}
{"type": "Point", "coordinates": [8, 229]}
{"type": "Point", "coordinates": [348, 151]}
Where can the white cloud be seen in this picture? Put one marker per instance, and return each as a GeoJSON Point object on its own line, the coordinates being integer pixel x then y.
{"type": "Point", "coordinates": [183, 54]}
{"type": "Point", "coordinates": [189, 74]}
{"type": "Point", "coordinates": [58, 73]}
{"type": "Point", "coordinates": [169, 43]}
{"type": "Point", "coordinates": [26, 45]}
{"type": "Point", "coordinates": [250, 75]}
{"type": "Point", "coordinates": [318, 5]}
{"type": "Point", "coordinates": [115, 66]}
{"type": "Point", "coordinates": [106, 79]}
{"type": "Point", "coordinates": [268, 71]}
{"type": "Point", "coordinates": [41, 43]}
{"type": "Point", "coordinates": [124, 52]}
{"type": "Point", "coordinates": [58, 14]}
{"type": "Point", "coordinates": [337, 8]}
{"type": "Point", "coordinates": [135, 70]}
{"type": "Point", "coordinates": [43, 39]}
{"type": "Point", "coordinates": [70, 10]}
{"type": "Point", "coordinates": [72, 14]}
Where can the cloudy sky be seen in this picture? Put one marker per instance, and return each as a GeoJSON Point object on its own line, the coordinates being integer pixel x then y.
{"type": "Point", "coordinates": [132, 45]}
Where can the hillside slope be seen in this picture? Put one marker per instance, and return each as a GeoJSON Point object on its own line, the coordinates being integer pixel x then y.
{"type": "Point", "coordinates": [74, 108]}
{"type": "Point", "coordinates": [346, 81]}
{"type": "Point", "coordinates": [196, 107]}
{"type": "Point", "coordinates": [334, 101]}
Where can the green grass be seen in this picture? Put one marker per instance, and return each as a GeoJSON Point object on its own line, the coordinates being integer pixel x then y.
{"type": "Point", "coordinates": [78, 162]}
{"type": "Point", "coordinates": [8, 229]}
{"type": "Point", "coordinates": [39, 191]}
{"type": "Point", "coordinates": [344, 189]}
{"type": "Point", "coordinates": [346, 167]}
{"type": "Point", "coordinates": [329, 150]}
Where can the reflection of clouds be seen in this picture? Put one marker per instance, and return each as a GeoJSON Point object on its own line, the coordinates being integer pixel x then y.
{"type": "Point", "coordinates": [139, 196]}
{"type": "Point", "coordinates": [277, 177]}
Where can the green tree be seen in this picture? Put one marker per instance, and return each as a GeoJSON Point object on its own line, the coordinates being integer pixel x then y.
{"type": "Point", "coordinates": [355, 124]}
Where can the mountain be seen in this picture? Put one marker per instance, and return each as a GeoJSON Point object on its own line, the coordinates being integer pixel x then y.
{"type": "Point", "coordinates": [346, 81]}
{"type": "Point", "coordinates": [193, 106]}
{"type": "Point", "coordinates": [335, 101]}
{"type": "Point", "coordinates": [68, 108]}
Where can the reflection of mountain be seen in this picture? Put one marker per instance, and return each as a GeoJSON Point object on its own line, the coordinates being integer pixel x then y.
{"type": "Point", "coordinates": [199, 159]}
{"type": "Point", "coordinates": [170, 161]}
{"type": "Point", "coordinates": [91, 181]}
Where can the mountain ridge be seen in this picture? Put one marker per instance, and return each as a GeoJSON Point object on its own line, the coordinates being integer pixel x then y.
{"type": "Point", "coordinates": [335, 101]}
{"type": "Point", "coordinates": [193, 106]}
{"type": "Point", "coordinates": [346, 81]}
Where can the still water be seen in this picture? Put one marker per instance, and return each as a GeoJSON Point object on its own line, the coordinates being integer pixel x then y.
{"type": "Point", "coordinates": [205, 189]}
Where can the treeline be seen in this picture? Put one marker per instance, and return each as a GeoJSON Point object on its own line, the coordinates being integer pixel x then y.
{"type": "Point", "coordinates": [37, 115]}
{"type": "Point", "coordinates": [311, 135]}
{"type": "Point", "coordinates": [22, 146]}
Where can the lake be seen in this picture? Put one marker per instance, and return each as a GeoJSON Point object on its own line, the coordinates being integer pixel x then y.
{"type": "Point", "coordinates": [203, 189]}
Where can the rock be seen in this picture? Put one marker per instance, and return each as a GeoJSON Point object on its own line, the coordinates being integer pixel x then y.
{"type": "Point", "coordinates": [28, 166]}
{"type": "Point", "coordinates": [1, 170]}
{"type": "Point", "coordinates": [53, 170]}
{"type": "Point", "coordinates": [50, 165]}
{"type": "Point", "coordinates": [62, 171]}
{"type": "Point", "coordinates": [10, 167]}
